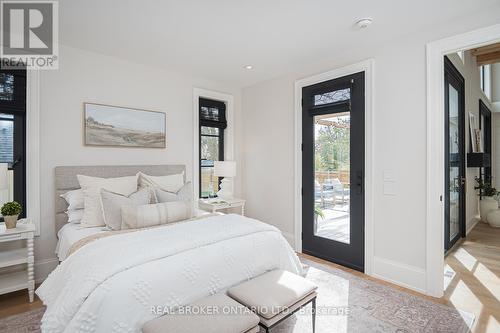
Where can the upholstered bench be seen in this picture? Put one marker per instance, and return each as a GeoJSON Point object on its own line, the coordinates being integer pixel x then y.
{"type": "Point", "coordinates": [275, 296]}
{"type": "Point", "coordinates": [213, 314]}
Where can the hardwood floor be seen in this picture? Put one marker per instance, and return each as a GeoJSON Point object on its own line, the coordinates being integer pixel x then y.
{"type": "Point", "coordinates": [472, 277]}
{"type": "Point", "coordinates": [473, 283]}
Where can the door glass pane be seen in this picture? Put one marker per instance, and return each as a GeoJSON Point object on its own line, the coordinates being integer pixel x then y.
{"type": "Point", "coordinates": [332, 176]}
{"type": "Point", "coordinates": [6, 157]}
{"type": "Point", "coordinates": [6, 87]}
{"type": "Point", "coordinates": [332, 96]}
{"type": "Point", "coordinates": [454, 163]}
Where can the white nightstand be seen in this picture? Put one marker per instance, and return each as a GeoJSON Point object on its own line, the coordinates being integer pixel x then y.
{"type": "Point", "coordinates": [213, 205]}
{"type": "Point", "coordinates": [24, 279]}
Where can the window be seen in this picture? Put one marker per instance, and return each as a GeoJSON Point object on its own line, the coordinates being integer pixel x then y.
{"type": "Point", "coordinates": [212, 125]}
{"type": "Point", "coordinates": [485, 80]}
{"type": "Point", "coordinates": [12, 136]}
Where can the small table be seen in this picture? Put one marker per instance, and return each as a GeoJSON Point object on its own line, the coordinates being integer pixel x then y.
{"type": "Point", "coordinates": [213, 205]}
{"type": "Point", "coordinates": [24, 279]}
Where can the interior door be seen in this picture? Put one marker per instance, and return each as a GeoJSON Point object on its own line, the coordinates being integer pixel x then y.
{"type": "Point", "coordinates": [333, 168]}
{"type": "Point", "coordinates": [454, 91]}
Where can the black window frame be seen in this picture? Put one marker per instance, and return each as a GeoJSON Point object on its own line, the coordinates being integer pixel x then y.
{"type": "Point", "coordinates": [218, 122]}
{"type": "Point", "coordinates": [17, 108]}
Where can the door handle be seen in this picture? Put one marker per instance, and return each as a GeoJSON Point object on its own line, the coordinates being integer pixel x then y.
{"type": "Point", "coordinates": [16, 162]}
{"type": "Point", "coordinates": [359, 182]}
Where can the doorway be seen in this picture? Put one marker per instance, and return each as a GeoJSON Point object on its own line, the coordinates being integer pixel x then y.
{"type": "Point", "coordinates": [333, 169]}
{"type": "Point", "coordinates": [454, 100]}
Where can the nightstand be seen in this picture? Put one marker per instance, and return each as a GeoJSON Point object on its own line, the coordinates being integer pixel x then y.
{"type": "Point", "coordinates": [213, 205]}
{"type": "Point", "coordinates": [24, 279]}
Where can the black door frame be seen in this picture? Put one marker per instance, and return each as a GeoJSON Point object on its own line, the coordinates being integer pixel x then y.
{"type": "Point", "coordinates": [350, 255]}
{"type": "Point", "coordinates": [484, 112]}
{"type": "Point", "coordinates": [452, 76]}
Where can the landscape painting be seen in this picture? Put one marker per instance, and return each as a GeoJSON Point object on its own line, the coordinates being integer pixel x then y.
{"type": "Point", "coordinates": [107, 125]}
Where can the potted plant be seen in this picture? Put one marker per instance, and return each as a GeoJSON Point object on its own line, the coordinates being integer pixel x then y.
{"type": "Point", "coordinates": [317, 212]}
{"type": "Point", "coordinates": [488, 203]}
{"type": "Point", "coordinates": [10, 212]}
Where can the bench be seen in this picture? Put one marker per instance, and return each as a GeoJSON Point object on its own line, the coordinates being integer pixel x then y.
{"type": "Point", "coordinates": [221, 315]}
{"type": "Point", "coordinates": [275, 296]}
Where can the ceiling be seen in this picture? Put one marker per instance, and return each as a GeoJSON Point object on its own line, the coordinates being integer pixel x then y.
{"type": "Point", "coordinates": [215, 39]}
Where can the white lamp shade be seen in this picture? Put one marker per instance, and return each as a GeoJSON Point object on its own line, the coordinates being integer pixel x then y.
{"type": "Point", "coordinates": [224, 168]}
{"type": "Point", "coordinates": [3, 176]}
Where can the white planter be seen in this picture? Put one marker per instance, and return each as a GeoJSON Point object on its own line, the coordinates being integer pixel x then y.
{"type": "Point", "coordinates": [494, 218]}
{"type": "Point", "coordinates": [486, 205]}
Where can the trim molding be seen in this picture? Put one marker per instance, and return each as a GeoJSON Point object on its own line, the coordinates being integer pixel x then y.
{"type": "Point", "coordinates": [228, 135]}
{"type": "Point", "coordinates": [368, 67]}
{"type": "Point", "coordinates": [407, 276]}
{"type": "Point", "coordinates": [33, 148]}
{"type": "Point", "coordinates": [435, 146]}
{"type": "Point", "coordinates": [472, 225]}
{"type": "Point", "coordinates": [44, 267]}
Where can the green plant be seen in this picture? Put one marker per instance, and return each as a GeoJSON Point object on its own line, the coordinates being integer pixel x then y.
{"type": "Point", "coordinates": [319, 212]}
{"type": "Point", "coordinates": [11, 208]}
{"type": "Point", "coordinates": [485, 188]}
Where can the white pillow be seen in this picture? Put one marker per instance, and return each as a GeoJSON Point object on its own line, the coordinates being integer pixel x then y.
{"type": "Point", "coordinates": [113, 202]}
{"type": "Point", "coordinates": [134, 217]}
{"type": "Point", "coordinates": [171, 183]}
{"type": "Point", "coordinates": [74, 199]}
{"type": "Point", "coordinates": [74, 215]}
{"type": "Point", "coordinates": [185, 194]}
{"type": "Point", "coordinates": [91, 186]}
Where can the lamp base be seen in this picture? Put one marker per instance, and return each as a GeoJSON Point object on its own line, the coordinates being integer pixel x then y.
{"type": "Point", "coordinates": [226, 189]}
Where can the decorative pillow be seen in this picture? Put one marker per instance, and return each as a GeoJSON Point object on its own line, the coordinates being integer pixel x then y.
{"type": "Point", "coordinates": [113, 202]}
{"type": "Point", "coordinates": [184, 194]}
{"type": "Point", "coordinates": [170, 183]}
{"type": "Point", "coordinates": [74, 199]}
{"type": "Point", "coordinates": [134, 217]}
{"type": "Point", "coordinates": [74, 215]}
{"type": "Point", "coordinates": [91, 186]}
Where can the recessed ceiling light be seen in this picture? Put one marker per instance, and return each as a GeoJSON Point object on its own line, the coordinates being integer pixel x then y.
{"type": "Point", "coordinates": [249, 67]}
{"type": "Point", "coordinates": [364, 22]}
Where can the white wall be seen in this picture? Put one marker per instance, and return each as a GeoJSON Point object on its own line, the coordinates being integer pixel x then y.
{"type": "Point", "coordinates": [399, 146]}
{"type": "Point", "coordinates": [470, 71]}
{"type": "Point", "coordinates": [89, 77]}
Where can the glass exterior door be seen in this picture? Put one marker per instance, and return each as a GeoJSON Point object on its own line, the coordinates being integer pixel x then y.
{"type": "Point", "coordinates": [333, 160]}
{"type": "Point", "coordinates": [454, 156]}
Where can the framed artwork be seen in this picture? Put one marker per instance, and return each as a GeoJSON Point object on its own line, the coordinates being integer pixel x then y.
{"type": "Point", "coordinates": [116, 126]}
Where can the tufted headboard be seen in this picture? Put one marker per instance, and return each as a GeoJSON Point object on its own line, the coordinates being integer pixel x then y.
{"type": "Point", "coordinates": [65, 180]}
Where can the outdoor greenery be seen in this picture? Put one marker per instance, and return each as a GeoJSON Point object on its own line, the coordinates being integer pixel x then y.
{"type": "Point", "coordinates": [319, 212]}
{"type": "Point", "coordinates": [11, 208]}
{"type": "Point", "coordinates": [332, 146]}
{"type": "Point", "coordinates": [485, 188]}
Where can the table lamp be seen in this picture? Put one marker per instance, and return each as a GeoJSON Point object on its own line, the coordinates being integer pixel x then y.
{"type": "Point", "coordinates": [226, 169]}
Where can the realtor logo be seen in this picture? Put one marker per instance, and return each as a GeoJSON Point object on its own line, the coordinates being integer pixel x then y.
{"type": "Point", "coordinates": [29, 32]}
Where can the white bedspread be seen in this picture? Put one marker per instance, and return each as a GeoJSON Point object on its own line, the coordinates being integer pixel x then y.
{"type": "Point", "coordinates": [71, 233]}
{"type": "Point", "coordinates": [112, 284]}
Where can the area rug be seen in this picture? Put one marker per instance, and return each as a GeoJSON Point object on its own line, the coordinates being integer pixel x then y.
{"type": "Point", "coordinates": [346, 303]}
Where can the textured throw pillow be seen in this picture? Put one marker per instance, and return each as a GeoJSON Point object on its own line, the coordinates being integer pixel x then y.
{"type": "Point", "coordinates": [113, 202]}
{"type": "Point", "coordinates": [134, 217]}
{"type": "Point", "coordinates": [74, 215]}
{"type": "Point", "coordinates": [170, 183]}
{"type": "Point", "coordinates": [91, 186]}
{"type": "Point", "coordinates": [184, 194]}
{"type": "Point", "coordinates": [74, 199]}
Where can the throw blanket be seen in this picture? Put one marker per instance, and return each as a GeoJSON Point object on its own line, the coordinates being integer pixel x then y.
{"type": "Point", "coordinates": [115, 283]}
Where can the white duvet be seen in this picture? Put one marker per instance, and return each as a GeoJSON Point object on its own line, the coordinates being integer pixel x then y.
{"type": "Point", "coordinates": [114, 284]}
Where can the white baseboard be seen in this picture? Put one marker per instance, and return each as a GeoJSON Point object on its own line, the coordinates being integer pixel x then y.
{"type": "Point", "coordinates": [407, 276]}
{"type": "Point", "coordinates": [476, 221]}
{"type": "Point", "coordinates": [43, 268]}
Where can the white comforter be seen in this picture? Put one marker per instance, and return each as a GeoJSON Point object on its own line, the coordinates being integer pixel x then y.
{"type": "Point", "coordinates": [113, 284]}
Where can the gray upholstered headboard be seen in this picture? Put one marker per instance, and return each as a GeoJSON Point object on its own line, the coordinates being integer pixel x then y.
{"type": "Point", "coordinates": [65, 180]}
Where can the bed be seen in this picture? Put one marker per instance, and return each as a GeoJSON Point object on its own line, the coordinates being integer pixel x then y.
{"type": "Point", "coordinates": [118, 282]}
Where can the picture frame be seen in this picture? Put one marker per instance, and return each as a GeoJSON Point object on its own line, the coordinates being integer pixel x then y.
{"type": "Point", "coordinates": [117, 126]}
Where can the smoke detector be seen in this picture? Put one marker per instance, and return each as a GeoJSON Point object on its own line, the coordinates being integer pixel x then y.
{"type": "Point", "coordinates": [364, 22]}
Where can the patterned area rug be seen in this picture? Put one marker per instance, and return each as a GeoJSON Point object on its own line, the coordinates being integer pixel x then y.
{"type": "Point", "coordinates": [346, 303]}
